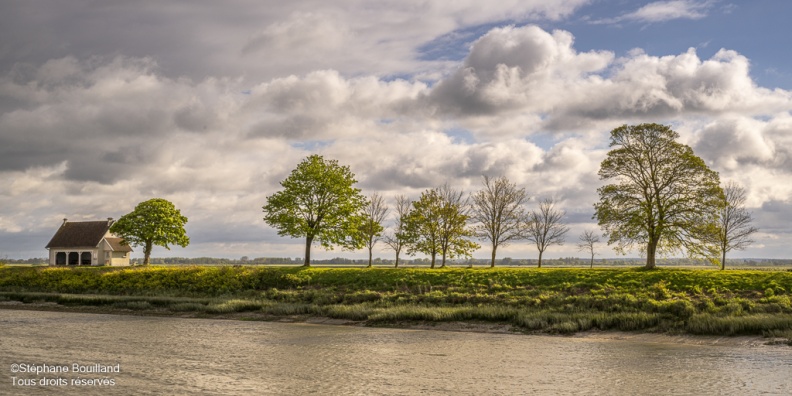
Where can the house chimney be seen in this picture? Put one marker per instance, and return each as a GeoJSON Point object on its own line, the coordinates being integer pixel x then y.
{"type": "Point", "coordinates": [64, 222]}
{"type": "Point", "coordinates": [110, 221]}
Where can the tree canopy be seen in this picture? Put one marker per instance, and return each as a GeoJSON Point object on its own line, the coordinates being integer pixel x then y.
{"type": "Point", "coordinates": [545, 227]}
{"type": "Point", "coordinates": [499, 213]}
{"type": "Point", "coordinates": [734, 229]}
{"type": "Point", "coordinates": [661, 197]}
{"type": "Point", "coordinates": [587, 242]}
{"type": "Point", "coordinates": [373, 216]}
{"type": "Point", "coordinates": [399, 239]}
{"type": "Point", "coordinates": [153, 222]}
{"type": "Point", "coordinates": [422, 225]}
{"type": "Point", "coordinates": [318, 202]}
{"type": "Point", "coordinates": [454, 232]}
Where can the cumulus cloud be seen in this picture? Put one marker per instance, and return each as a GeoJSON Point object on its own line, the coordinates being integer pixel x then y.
{"type": "Point", "coordinates": [511, 68]}
{"type": "Point", "coordinates": [90, 137]}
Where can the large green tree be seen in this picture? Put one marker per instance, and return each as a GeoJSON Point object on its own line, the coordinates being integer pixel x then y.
{"type": "Point", "coordinates": [153, 222]}
{"type": "Point", "coordinates": [662, 197]}
{"type": "Point", "coordinates": [422, 225]}
{"type": "Point", "coordinates": [320, 203]}
{"type": "Point", "coordinates": [437, 224]}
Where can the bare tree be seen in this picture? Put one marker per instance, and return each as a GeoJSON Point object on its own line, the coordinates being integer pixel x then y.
{"type": "Point", "coordinates": [545, 227]}
{"type": "Point", "coordinates": [587, 241]}
{"type": "Point", "coordinates": [734, 222]}
{"type": "Point", "coordinates": [373, 215]}
{"type": "Point", "coordinates": [498, 210]}
{"type": "Point", "coordinates": [399, 238]}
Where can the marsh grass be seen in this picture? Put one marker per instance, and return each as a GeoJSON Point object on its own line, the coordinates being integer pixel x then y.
{"type": "Point", "coordinates": [739, 325]}
{"type": "Point", "coordinates": [547, 300]}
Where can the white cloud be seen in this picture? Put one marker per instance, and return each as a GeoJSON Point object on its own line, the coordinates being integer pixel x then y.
{"type": "Point", "coordinates": [92, 137]}
{"type": "Point", "coordinates": [661, 11]}
{"type": "Point", "coordinates": [512, 68]}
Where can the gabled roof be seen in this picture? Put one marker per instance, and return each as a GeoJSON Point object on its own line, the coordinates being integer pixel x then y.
{"type": "Point", "coordinates": [74, 234]}
{"type": "Point", "coordinates": [117, 245]}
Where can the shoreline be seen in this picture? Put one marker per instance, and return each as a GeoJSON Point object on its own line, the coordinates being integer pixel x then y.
{"type": "Point", "coordinates": [751, 341]}
{"type": "Point", "coordinates": [548, 301]}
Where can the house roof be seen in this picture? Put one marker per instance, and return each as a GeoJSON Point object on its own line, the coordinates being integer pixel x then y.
{"type": "Point", "coordinates": [117, 245]}
{"type": "Point", "coordinates": [79, 234]}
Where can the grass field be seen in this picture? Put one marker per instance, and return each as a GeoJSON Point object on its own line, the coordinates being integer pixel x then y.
{"type": "Point", "coordinates": [733, 302]}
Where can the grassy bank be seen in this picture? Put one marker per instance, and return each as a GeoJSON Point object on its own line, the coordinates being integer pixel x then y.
{"type": "Point", "coordinates": [546, 300]}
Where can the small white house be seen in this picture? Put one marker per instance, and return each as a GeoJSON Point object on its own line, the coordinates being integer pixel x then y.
{"type": "Point", "coordinates": [87, 243]}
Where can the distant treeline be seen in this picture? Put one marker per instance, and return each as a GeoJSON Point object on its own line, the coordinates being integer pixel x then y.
{"type": "Point", "coordinates": [35, 260]}
{"type": "Point", "coordinates": [508, 261]}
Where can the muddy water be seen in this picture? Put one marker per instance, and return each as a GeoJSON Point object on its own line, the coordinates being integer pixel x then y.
{"type": "Point", "coordinates": [218, 357]}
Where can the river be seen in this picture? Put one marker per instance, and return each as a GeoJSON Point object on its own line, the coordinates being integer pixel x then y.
{"type": "Point", "coordinates": [156, 355]}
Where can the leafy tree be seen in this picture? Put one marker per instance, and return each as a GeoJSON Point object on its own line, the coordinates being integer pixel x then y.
{"type": "Point", "coordinates": [545, 227]}
{"type": "Point", "coordinates": [498, 210]}
{"type": "Point", "coordinates": [373, 215]}
{"type": "Point", "coordinates": [734, 222]}
{"type": "Point", "coordinates": [153, 222]}
{"type": "Point", "coordinates": [398, 240]}
{"type": "Point", "coordinates": [318, 202]}
{"type": "Point", "coordinates": [664, 197]}
{"type": "Point", "coordinates": [422, 225]}
{"type": "Point", "coordinates": [588, 240]}
{"type": "Point", "coordinates": [454, 232]}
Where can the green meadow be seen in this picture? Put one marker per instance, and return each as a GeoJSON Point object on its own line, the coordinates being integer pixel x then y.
{"type": "Point", "coordinates": [561, 301]}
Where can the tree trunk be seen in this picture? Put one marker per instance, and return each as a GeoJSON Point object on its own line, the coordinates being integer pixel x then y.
{"type": "Point", "coordinates": [369, 266]}
{"type": "Point", "coordinates": [723, 260]}
{"type": "Point", "coordinates": [308, 241]}
{"type": "Point", "coordinates": [147, 253]}
{"type": "Point", "coordinates": [442, 263]}
{"type": "Point", "coordinates": [592, 261]}
{"type": "Point", "coordinates": [492, 263]}
{"type": "Point", "coordinates": [433, 260]}
{"type": "Point", "coordinates": [397, 260]}
{"type": "Point", "coordinates": [651, 248]}
{"type": "Point", "coordinates": [540, 259]}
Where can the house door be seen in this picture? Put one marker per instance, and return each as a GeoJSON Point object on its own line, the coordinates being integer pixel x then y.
{"type": "Point", "coordinates": [74, 258]}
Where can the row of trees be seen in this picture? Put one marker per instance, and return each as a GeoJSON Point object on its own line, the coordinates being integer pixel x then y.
{"type": "Point", "coordinates": [662, 198]}
{"type": "Point", "coordinates": [320, 203]}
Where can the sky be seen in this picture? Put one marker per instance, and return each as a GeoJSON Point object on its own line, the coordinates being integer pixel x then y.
{"type": "Point", "coordinates": [211, 104]}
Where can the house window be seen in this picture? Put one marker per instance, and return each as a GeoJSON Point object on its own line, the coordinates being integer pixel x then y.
{"type": "Point", "coordinates": [74, 258]}
{"type": "Point", "coordinates": [85, 258]}
{"type": "Point", "coordinates": [60, 258]}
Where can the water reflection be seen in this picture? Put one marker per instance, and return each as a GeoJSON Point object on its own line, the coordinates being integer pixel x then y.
{"type": "Point", "coordinates": [193, 356]}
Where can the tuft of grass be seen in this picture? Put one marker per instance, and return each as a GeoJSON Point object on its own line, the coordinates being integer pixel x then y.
{"type": "Point", "coordinates": [136, 305]}
{"type": "Point", "coordinates": [350, 312]}
{"type": "Point", "coordinates": [188, 307]}
{"type": "Point", "coordinates": [289, 309]}
{"type": "Point", "coordinates": [235, 305]}
{"type": "Point", "coordinates": [737, 325]}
